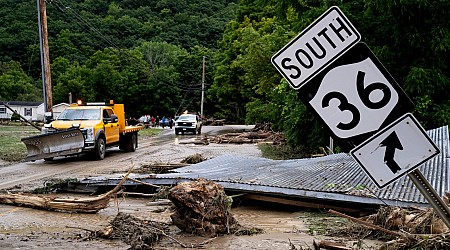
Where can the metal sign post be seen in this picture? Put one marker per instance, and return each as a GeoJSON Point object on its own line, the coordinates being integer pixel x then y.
{"type": "Point", "coordinates": [430, 194]}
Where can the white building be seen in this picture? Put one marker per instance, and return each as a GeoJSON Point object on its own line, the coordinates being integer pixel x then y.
{"type": "Point", "coordinates": [57, 109]}
{"type": "Point", "coordinates": [32, 111]}
{"type": "Point", "coordinates": [26, 109]}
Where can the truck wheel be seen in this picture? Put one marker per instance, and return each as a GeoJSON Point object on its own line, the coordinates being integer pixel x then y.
{"type": "Point", "coordinates": [132, 143]}
{"type": "Point", "coordinates": [48, 159]}
{"type": "Point", "coordinates": [176, 132]}
{"type": "Point", "coordinates": [100, 149]}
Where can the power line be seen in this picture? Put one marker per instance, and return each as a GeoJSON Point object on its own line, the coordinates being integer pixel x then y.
{"type": "Point", "coordinates": [108, 43]}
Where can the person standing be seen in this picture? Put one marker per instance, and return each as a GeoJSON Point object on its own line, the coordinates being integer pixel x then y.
{"type": "Point", "coordinates": [170, 122]}
{"type": "Point", "coordinates": [157, 121]}
{"type": "Point", "coordinates": [152, 121]}
{"type": "Point", "coordinates": [163, 121]}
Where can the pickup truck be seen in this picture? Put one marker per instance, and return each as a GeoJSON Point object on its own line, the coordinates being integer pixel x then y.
{"type": "Point", "coordinates": [90, 127]}
{"type": "Point", "coordinates": [188, 123]}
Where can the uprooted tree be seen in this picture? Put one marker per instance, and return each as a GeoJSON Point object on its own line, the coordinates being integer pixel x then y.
{"type": "Point", "coordinates": [202, 208]}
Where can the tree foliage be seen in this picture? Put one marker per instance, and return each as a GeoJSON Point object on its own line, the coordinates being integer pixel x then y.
{"type": "Point", "coordinates": [149, 55]}
{"type": "Point", "coordinates": [411, 38]}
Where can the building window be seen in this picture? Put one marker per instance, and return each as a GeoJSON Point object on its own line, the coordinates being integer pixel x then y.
{"type": "Point", "coordinates": [28, 112]}
{"type": "Point", "coordinates": [2, 110]}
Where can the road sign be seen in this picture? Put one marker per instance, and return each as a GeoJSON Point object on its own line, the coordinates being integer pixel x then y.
{"type": "Point", "coordinates": [355, 97]}
{"type": "Point", "coordinates": [315, 47]}
{"type": "Point", "coordinates": [394, 151]}
{"type": "Point", "coordinates": [351, 92]}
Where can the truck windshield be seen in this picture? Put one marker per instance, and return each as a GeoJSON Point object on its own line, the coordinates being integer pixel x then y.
{"type": "Point", "coordinates": [79, 114]}
{"type": "Point", "coordinates": [187, 117]}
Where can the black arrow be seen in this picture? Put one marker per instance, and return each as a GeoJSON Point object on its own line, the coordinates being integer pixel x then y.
{"type": "Point", "coordinates": [391, 143]}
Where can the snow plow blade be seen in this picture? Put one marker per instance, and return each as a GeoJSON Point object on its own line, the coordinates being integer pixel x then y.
{"type": "Point", "coordinates": [61, 143]}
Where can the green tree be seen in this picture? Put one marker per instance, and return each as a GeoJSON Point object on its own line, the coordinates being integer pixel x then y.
{"type": "Point", "coordinates": [16, 85]}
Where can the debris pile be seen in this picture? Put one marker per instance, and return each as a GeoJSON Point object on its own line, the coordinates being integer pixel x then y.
{"type": "Point", "coordinates": [402, 228]}
{"type": "Point", "coordinates": [269, 137]}
{"type": "Point", "coordinates": [261, 133]}
{"type": "Point", "coordinates": [414, 221]}
{"type": "Point", "coordinates": [194, 159]}
{"type": "Point", "coordinates": [159, 168]}
{"type": "Point", "coordinates": [204, 140]}
{"type": "Point", "coordinates": [264, 127]}
{"type": "Point", "coordinates": [213, 122]}
{"type": "Point", "coordinates": [139, 234]}
{"type": "Point", "coordinates": [74, 205]}
{"type": "Point", "coordinates": [202, 208]}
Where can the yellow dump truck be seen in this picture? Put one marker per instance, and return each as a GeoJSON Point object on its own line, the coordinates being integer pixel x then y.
{"type": "Point", "coordinates": [84, 127]}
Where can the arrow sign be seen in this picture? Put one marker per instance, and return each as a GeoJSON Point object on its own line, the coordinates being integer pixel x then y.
{"type": "Point", "coordinates": [395, 151]}
{"type": "Point", "coordinates": [391, 143]}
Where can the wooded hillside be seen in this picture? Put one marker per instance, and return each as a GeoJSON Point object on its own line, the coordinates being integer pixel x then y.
{"type": "Point", "coordinates": [148, 55]}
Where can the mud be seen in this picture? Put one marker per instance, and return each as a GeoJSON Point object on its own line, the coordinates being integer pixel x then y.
{"type": "Point", "coordinates": [26, 228]}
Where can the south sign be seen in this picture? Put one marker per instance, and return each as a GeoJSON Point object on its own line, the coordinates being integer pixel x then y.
{"type": "Point", "coordinates": [317, 46]}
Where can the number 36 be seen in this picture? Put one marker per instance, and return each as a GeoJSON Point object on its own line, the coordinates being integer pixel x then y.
{"type": "Point", "coordinates": [364, 95]}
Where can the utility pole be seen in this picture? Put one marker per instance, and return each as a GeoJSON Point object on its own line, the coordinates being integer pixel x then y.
{"type": "Point", "coordinates": [203, 87]}
{"type": "Point", "coordinates": [45, 58]}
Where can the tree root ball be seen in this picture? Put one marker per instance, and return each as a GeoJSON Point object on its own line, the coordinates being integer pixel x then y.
{"type": "Point", "coordinates": [202, 208]}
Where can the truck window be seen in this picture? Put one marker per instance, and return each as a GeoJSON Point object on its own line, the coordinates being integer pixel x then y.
{"type": "Point", "coordinates": [79, 114]}
{"type": "Point", "coordinates": [106, 114]}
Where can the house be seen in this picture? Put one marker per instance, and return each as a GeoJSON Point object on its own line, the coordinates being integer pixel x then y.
{"type": "Point", "coordinates": [26, 109]}
{"type": "Point", "coordinates": [57, 109]}
{"type": "Point", "coordinates": [32, 111]}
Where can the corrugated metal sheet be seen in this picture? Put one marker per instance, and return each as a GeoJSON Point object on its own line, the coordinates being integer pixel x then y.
{"type": "Point", "coordinates": [335, 177]}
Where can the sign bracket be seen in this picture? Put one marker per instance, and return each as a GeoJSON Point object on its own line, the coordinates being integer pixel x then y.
{"type": "Point", "coordinates": [431, 195]}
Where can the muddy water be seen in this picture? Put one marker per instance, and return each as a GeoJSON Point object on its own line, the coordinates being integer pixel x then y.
{"type": "Point", "coordinates": [25, 228]}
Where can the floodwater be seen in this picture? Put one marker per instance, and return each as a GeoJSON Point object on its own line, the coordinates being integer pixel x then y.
{"type": "Point", "coordinates": [26, 228]}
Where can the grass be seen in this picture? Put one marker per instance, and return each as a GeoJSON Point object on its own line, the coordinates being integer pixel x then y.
{"type": "Point", "coordinates": [11, 148]}
{"type": "Point", "coordinates": [149, 132]}
{"type": "Point", "coordinates": [323, 223]}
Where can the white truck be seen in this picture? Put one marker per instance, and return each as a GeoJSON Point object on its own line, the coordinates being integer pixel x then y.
{"type": "Point", "coordinates": [188, 123]}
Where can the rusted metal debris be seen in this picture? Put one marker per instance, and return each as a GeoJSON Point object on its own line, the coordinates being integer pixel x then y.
{"type": "Point", "coordinates": [202, 208]}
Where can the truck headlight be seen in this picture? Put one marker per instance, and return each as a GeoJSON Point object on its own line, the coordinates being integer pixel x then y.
{"type": "Point", "coordinates": [89, 134]}
{"type": "Point", "coordinates": [44, 130]}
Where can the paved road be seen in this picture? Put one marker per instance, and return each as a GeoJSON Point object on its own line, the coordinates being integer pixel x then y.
{"type": "Point", "coordinates": [162, 148]}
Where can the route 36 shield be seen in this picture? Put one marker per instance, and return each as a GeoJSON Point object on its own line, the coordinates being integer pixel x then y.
{"type": "Point", "coordinates": [355, 97]}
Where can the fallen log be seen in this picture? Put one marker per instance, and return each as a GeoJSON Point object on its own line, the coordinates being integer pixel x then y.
{"type": "Point", "coordinates": [74, 205]}
{"type": "Point", "coordinates": [330, 245]}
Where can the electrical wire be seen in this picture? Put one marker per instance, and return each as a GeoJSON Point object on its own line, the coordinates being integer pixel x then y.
{"type": "Point", "coordinates": [108, 44]}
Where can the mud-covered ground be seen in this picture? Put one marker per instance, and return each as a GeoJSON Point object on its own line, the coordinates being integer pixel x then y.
{"type": "Point", "coordinates": [26, 228]}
